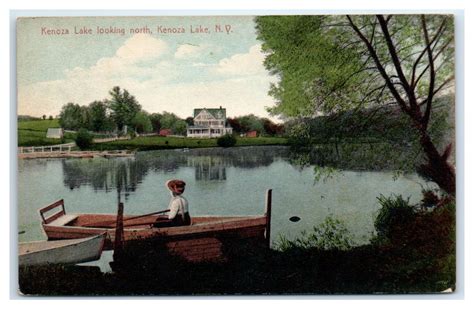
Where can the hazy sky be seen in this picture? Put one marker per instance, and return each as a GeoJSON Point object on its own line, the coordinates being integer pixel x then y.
{"type": "Point", "coordinates": [173, 72]}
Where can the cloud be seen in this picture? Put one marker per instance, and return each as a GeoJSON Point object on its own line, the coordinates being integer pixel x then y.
{"type": "Point", "coordinates": [142, 47]}
{"type": "Point", "coordinates": [250, 63]}
{"type": "Point", "coordinates": [189, 51]}
{"type": "Point", "coordinates": [158, 85]}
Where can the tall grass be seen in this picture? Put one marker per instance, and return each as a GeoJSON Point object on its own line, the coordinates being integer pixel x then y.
{"type": "Point", "coordinates": [332, 234]}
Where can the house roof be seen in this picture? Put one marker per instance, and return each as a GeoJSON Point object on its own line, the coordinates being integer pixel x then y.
{"type": "Point", "coordinates": [213, 111]}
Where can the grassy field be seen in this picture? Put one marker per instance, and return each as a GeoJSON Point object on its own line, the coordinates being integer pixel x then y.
{"type": "Point", "coordinates": [33, 133]}
{"type": "Point", "coordinates": [159, 142]}
{"type": "Point", "coordinates": [38, 125]}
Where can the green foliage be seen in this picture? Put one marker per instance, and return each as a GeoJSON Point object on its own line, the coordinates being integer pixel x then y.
{"type": "Point", "coordinates": [251, 123]}
{"type": "Point", "coordinates": [180, 127]}
{"type": "Point", "coordinates": [334, 64]}
{"type": "Point", "coordinates": [324, 173]}
{"type": "Point", "coordinates": [247, 123]}
{"type": "Point", "coordinates": [98, 119]}
{"type": "Point", "coordinates": [324, 66]}
{"type": "Point", "coordinates": [227, 140]}
{"type": "Point", "coordinates": [142, 123]}
{"type": "Point", "coordinates": [304, 53]}
{"type": "Point", "coordinates": [362, 140]}
{"type": "Point", "coordinates": [73, 117]}
{"type": "Point", "coordinates": [332, 234]}
{"type": "Point", "coordinates": [155, 120]}
{"type": "Point", "coordinates": [84, 139]}
{"type": "Point", "coordinates": [299, 134]}
{"type": "Point", "coordinates": [173, 122]}
{"type": "Point", "coordinates": [395, 212]}
{"type": "Point", "coordinates": [123, 107]}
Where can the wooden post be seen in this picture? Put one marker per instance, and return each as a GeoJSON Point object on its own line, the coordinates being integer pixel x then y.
{"type": "Point", "coordinates": [268, 215]}
{"type": "Point", "coordinates": [118, 244]}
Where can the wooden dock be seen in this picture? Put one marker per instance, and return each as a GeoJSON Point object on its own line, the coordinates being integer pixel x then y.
{"type": "Point", "coordinates": [66, 152]}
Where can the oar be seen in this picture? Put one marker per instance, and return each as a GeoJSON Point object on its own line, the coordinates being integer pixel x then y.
{"type": "Point", "coordinates": [111, 223]}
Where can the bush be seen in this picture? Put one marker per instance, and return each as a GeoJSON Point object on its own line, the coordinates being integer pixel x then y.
{"type": "Point", "coordinates": [394, 214]}
{"type": "Point", "coordinates": [227, 140]}
{"type": "Point", "coordinates": [83, 139]}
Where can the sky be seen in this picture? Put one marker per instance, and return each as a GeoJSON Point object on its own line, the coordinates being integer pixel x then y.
{"type": "Point", "coordinates": [168, 63]}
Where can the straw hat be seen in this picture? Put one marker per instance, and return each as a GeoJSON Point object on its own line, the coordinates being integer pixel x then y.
{"type": "Point", "coordinates": [171, 184]}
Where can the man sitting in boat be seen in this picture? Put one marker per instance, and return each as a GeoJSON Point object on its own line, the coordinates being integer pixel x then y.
{"type": "Point", "coordinates": [178, 206]}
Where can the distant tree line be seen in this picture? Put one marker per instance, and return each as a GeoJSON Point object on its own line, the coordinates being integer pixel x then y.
{"type": "Point", "coordinates": [30, 118]}
{"type": "Point", "coordinates": [122, 109]}
{"type": "Point", "coordinates": [116, 112]}
{"type": "Point", "coordinates": [263, 126]}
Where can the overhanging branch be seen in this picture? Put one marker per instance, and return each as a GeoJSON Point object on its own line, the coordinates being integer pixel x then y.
{"type": "Point", "coordinates": [380, 68]}
{"type": "Point", "coordinates": [429, 99]}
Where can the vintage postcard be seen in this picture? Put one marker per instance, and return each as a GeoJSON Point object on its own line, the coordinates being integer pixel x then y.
{"type": "Point", "coordinates": [236, 155]}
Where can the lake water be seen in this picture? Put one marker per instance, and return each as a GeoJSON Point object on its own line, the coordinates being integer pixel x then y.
{"type": "Point", "coordinates": [219, 182]}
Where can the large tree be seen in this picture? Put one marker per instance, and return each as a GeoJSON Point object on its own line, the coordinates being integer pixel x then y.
{"type": "Point", "coordinates": [98, 118]}
{"type": "Point", "coordinates": [123, 107]}
{"type": "Point", "coordinates": [328, 64]}
{"type": "Point", "coordinates": [73, 117]}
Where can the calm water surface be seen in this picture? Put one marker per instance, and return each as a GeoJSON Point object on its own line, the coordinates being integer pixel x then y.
{"type": "Point", "coordinates": [219, 182]}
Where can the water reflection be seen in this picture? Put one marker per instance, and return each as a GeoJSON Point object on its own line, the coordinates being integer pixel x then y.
{"type": "Point", "coordinates": [127, 173]}
{"type": "Point", "coordinates": [211, 164]}
{"type": "Point", "coordinates": [103, 174]}
{"type": "Point", "coordinates": [208, 168]}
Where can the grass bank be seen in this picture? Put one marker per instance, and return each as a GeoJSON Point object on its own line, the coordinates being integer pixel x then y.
{"type": "Point", "coordinates": [159, 142]}
{"type": "Point", "coordinates": [362, 270]}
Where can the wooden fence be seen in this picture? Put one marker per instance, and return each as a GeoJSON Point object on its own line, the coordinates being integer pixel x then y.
{"type": "Point", "coordinates": [58, 148]}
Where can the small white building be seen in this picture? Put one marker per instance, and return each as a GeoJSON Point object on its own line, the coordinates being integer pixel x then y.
{"type": "Point", "coordinates": [209, 122]}
{"type": "Point", "coordinates": [55, 133]}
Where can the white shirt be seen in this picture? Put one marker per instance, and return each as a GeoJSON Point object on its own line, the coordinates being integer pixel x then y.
{"type": "Point", "coordinates": [178, 205]}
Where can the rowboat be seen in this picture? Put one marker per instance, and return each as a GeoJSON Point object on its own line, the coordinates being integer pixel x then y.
{"type": "Point", "coordinates": [203, 240]}
{"type": "Point", "coordinates": [69, 251]}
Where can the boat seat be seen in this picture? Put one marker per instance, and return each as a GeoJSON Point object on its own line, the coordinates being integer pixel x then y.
{"type": "Point", "coordinates": [63, 220]}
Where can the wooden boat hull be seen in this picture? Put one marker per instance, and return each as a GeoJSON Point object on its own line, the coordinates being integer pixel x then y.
{"type": "Point", "coordinates": [70, 251]}
{"type": "Point", "coordinates": [204, 240]}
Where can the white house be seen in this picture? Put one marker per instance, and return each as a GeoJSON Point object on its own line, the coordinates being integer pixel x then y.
{"type": "Point", "coordinates": [209, 122]}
